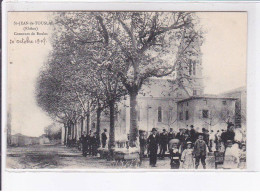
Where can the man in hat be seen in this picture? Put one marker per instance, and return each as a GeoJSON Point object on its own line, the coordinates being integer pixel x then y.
{"type": "Point", "coordinates": [153, 141]}
{"type": "Point", "coordinates": [184, 141]}
{"type": "Point", "coordinates": [229, 134]}
{"type": "Point", "coordinates": [90, 142]}
{"type": "Point", "coordinates": [84, 141]}
{"type": "Point", "coordinates": [180, 134]}
{"type": "Point", "coordinates": [193, 134]}
{"type": "Point", "coordinates": [104, 138]}
{"type": "Point", "coordinates": [171, 134]}
{"type": "Point", "coordinates": [163, 143]}
{"type": "Point", "coordinates": [200, 151]}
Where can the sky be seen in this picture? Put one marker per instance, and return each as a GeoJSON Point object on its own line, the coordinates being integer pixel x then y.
{"type": "Point", "coordinates": [223, 61]}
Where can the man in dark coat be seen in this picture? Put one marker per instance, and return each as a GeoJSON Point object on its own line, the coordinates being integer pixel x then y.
{"type": "Point", "coordinates": [229, 134]}
{"type": "Point", "coordinates": [171, 134]}
{"type": "Point", "coordinates": [104, 138]}
{"type": "Point", "coordinates": [95, 144]}
{"type": "Point", "coordinates": [84, 141]}
{"type": "Point", "coordinates": [205, 134]}
{"type": "Point", "coordinates": [193, 134]}
{"type": "Point", "coordinates": [163, 143]}
{"type": "Point", "coordinates": [153, 141]}
{"type": "Point", "coordinates": [183, 143]}
{"type": "Point", "coordinates": [90, 142]}
{"type": "Point", "coordinates": [180, 135]}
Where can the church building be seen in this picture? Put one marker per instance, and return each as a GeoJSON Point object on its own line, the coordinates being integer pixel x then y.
{"type": "Point", "coordinates": [157, 102]}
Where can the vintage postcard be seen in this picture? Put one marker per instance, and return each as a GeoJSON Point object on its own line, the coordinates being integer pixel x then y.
{"type": "Point", "coordinates": [127, 90]}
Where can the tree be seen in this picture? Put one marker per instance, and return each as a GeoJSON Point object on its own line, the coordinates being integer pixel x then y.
{"type": "Point", "coordinates": [148, 44]}
{"type": "Point", "coordinates": [171, 117]}
{"type": "Point", "coordinates": [54, 95]}
{"type": "Point", "coordinates": [84, 69]}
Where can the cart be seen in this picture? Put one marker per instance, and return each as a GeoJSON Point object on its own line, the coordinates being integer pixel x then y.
{"type": "Point", "coordinates": [125, 160]}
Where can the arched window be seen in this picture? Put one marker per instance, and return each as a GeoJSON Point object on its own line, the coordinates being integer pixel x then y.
{"type": "Point", "coordinates": [159, 114]}
{"type": "Point", "coordinates": [194, 68]}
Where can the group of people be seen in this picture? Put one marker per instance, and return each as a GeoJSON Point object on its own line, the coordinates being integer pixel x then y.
{"type": "Point", "coordinates": [188, 147]}
{"type": "Point", "coordinates": [91, 142]}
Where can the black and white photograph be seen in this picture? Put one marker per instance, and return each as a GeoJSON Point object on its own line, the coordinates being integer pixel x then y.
{"type": "Point", "coordinates": [149, 90]}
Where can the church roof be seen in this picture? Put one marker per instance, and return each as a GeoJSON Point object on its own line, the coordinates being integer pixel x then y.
{"type": "Point", "coordinates": [206, 97]}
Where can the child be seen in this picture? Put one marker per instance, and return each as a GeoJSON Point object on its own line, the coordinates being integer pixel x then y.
{"type": "Point", "coordinates": [187, 157]}
{"type": "Point", "coordinates": [175, 157]}
{"type": "Point", "coordinates": [242, 157]}
{"type": "Point", "coordinates": [200, 151]}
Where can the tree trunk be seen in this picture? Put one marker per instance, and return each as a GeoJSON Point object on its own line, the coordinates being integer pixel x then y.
{"type": "Point", "coordinates": [65, 134]}
{"type": "Point", "coordinates": [133, 119]}
{"type": "Point", "coordinates": [82, 126]}
{"type": "Point", "coordinates": [76, 130]}
{"type": "Point", "coordinates": [72, 130]}
{"type": "Point", "coordinates": [112, 124]}
{"type": "Point", "coordinates": [98, 120]}
{"type": "Point", "coordinates": [88, 117]}
{"type": "Point", "coordinates": [69, 129]}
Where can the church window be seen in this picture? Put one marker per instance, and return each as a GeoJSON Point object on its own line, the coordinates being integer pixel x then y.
{"type": "Point", "coordinates": [194, 92]}
{"type": "Point", "coordinates": [194, 68]}
{"type": "Point", "coordinates": [187, 115]}
{"type": "Point", "coordinates": [159, 114]}
{"type": "Point", "coordinates": [205, 114]}
{"type": "Point", "coordinates": [180, 116]}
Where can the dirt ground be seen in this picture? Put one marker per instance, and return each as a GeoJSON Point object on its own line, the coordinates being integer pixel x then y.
{"type": "Point", "coordinates": [61, 157]}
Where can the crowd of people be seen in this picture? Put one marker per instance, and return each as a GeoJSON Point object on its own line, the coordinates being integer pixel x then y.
{"type": "Point", "coordinates": [90, 142]}
{"type": "Point", "coordinates": [188, 147]}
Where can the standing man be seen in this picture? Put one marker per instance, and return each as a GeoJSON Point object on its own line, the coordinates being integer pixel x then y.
{"type": "Point", "coordinates": [193, 134]}
{"type": "Point", "coordinates": [163, 143]}
{"type": "Point", "coordinates": [229, 134]}
{"type": "Point", "coordinates": [142, 141]}
{"type": "Point", "coordinates": [90, 142]}
{"type": "Point", "coordinates": [206, 137]}
{"type": "Point", "coordinates": [171, 135]}
{"type": "Point", "coordinates": [84, 141]}
{"type": "Point", "coordinates": [104, 138]}
{"type": "Point", "coordinates": [95, 144]}
{"type": "Point", "coordinates": [200, 151]}
{"type": "Point", "coordinates": [153, 141]}
{"type": "Point", "coordinates": [180, 134]}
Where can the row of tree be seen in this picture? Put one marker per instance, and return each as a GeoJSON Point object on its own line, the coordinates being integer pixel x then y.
{"type": "Point", "coordinates": [98, 58]}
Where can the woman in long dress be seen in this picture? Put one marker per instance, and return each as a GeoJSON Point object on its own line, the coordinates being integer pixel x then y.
{"type": "Point", "coordinates": [187, 157]}
{"type": "Point", "coordinates": [231, 156]}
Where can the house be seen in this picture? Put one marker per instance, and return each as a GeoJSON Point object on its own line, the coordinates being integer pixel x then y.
{"type": "Point", "coordinates": [23, 140]}
{"type": "Point", "coordinates": [210, 112]}
{"type": "Point", "coordinates": [241, 104]}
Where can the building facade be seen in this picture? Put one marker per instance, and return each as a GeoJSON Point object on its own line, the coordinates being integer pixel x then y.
{"type": "Point", "coordinates": [212, 113]}
{"type": "Point", "coordinates": [241, 104]}
{"type": "Point", "coordinates": [157, 102]}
